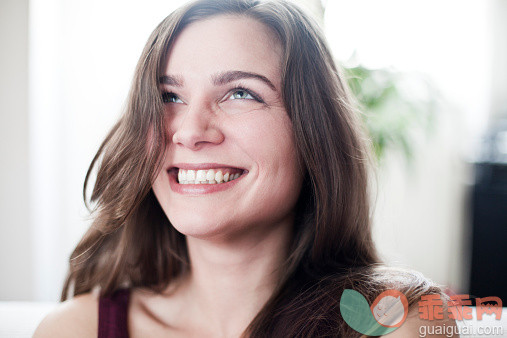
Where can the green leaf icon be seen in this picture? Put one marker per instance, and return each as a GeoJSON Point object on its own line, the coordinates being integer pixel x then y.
{"type": "Point", "coordinates": [356, 312]}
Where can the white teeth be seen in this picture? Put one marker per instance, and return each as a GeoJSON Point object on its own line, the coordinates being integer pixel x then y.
{"type": "Point", "coordinates": [200, 176]}
{"type": "Point", "coordinates": [211, 176]}
{"type": "Point", "coordinates": [219, 177]}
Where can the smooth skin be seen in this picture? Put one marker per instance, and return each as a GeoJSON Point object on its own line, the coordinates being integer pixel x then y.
{"type": "Point", "coordinates": [237, 238]}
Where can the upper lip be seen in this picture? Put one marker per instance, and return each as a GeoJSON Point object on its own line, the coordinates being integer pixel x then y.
{"type": "Point", "coordinates": [202, 166]}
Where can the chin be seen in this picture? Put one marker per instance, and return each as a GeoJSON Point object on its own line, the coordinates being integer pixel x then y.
{"type": "Point", "coordinates": [198, 225]}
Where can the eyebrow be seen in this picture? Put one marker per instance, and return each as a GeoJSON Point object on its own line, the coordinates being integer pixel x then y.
{"type": "Point", "coordinates": [171, 80]}
{"type": "Point", "coordinates": [229, 76]}
{"type": "Point", "coordinates": [220, 79]}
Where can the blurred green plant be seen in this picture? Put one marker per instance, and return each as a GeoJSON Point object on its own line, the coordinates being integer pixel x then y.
{"type": "Point", "coordinates": [398, 108]}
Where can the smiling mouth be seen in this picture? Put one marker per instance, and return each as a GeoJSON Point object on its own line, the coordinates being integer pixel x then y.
{"type": "Point", "coordinates": [208, 176]}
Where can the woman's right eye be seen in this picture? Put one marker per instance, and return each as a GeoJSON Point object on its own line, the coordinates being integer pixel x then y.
{"type": "Point", "coordinates": [171, 98]}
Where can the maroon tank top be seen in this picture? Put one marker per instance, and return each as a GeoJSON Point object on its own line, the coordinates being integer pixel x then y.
{"type": "Point", "coordinates": [113, 311]}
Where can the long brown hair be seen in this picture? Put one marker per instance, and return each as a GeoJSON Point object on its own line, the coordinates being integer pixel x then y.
{"type": "Point", "coordinates": [131, 242]}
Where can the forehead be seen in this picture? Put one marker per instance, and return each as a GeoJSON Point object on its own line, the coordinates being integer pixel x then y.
{"type": "Point", "coordinates": [225, 42]}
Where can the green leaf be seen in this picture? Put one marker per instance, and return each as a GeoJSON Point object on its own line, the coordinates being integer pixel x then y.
{"type": "Point", "coordinates": [356, 312]}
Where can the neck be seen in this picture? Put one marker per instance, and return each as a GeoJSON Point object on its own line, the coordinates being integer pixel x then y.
{"type": "Point", "coordinates": [231, 280]}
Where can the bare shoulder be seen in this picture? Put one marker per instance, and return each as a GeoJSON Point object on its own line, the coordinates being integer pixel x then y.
{"type": "Point", "coordinates": [417, 327]}
{"type": "Point", "coordinates": [77, 317]}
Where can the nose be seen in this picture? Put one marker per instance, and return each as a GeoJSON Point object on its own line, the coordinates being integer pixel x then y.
{"type": "Point", "coordinates": [197, 129]}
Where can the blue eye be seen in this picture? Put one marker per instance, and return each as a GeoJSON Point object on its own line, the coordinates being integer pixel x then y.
{"type": "Point", "coordinates": [244, 94]}
{"type": "Point", "coordinates": [170, 98]}
{"type": "Point", "coordinates": [241, 94]}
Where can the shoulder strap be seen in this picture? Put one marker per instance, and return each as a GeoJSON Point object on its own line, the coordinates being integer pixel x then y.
{"type": "Point", "coordinates": [113, 311]}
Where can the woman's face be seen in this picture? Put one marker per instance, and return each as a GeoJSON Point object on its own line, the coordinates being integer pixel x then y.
{"type": "Point", "coordinates": [225, 118]}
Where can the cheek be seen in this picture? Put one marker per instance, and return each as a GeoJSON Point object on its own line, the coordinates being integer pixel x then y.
{"type": "Point", "coordinates": [271, 146]}
{"type": "Point", "coordinates": [159, 188]}
{"type": "Point", "coordinates": [275, 142]}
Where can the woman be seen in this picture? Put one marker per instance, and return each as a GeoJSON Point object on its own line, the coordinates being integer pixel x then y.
{"type": "Point", "coordinates": [231, 197]}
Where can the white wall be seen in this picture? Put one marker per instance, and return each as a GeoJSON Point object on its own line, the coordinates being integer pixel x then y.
{"type": "Point", "coordinates": [15, 250]}
{"type": "Point", "coordinates": [499, 64]}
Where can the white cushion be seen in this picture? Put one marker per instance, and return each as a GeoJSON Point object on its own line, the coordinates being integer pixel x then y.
{"type": "Point", "coordinates": [20, 319]}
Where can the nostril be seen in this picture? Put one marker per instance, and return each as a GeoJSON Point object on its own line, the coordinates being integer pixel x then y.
{"type": "Point", "coordinates": [195, 131]}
